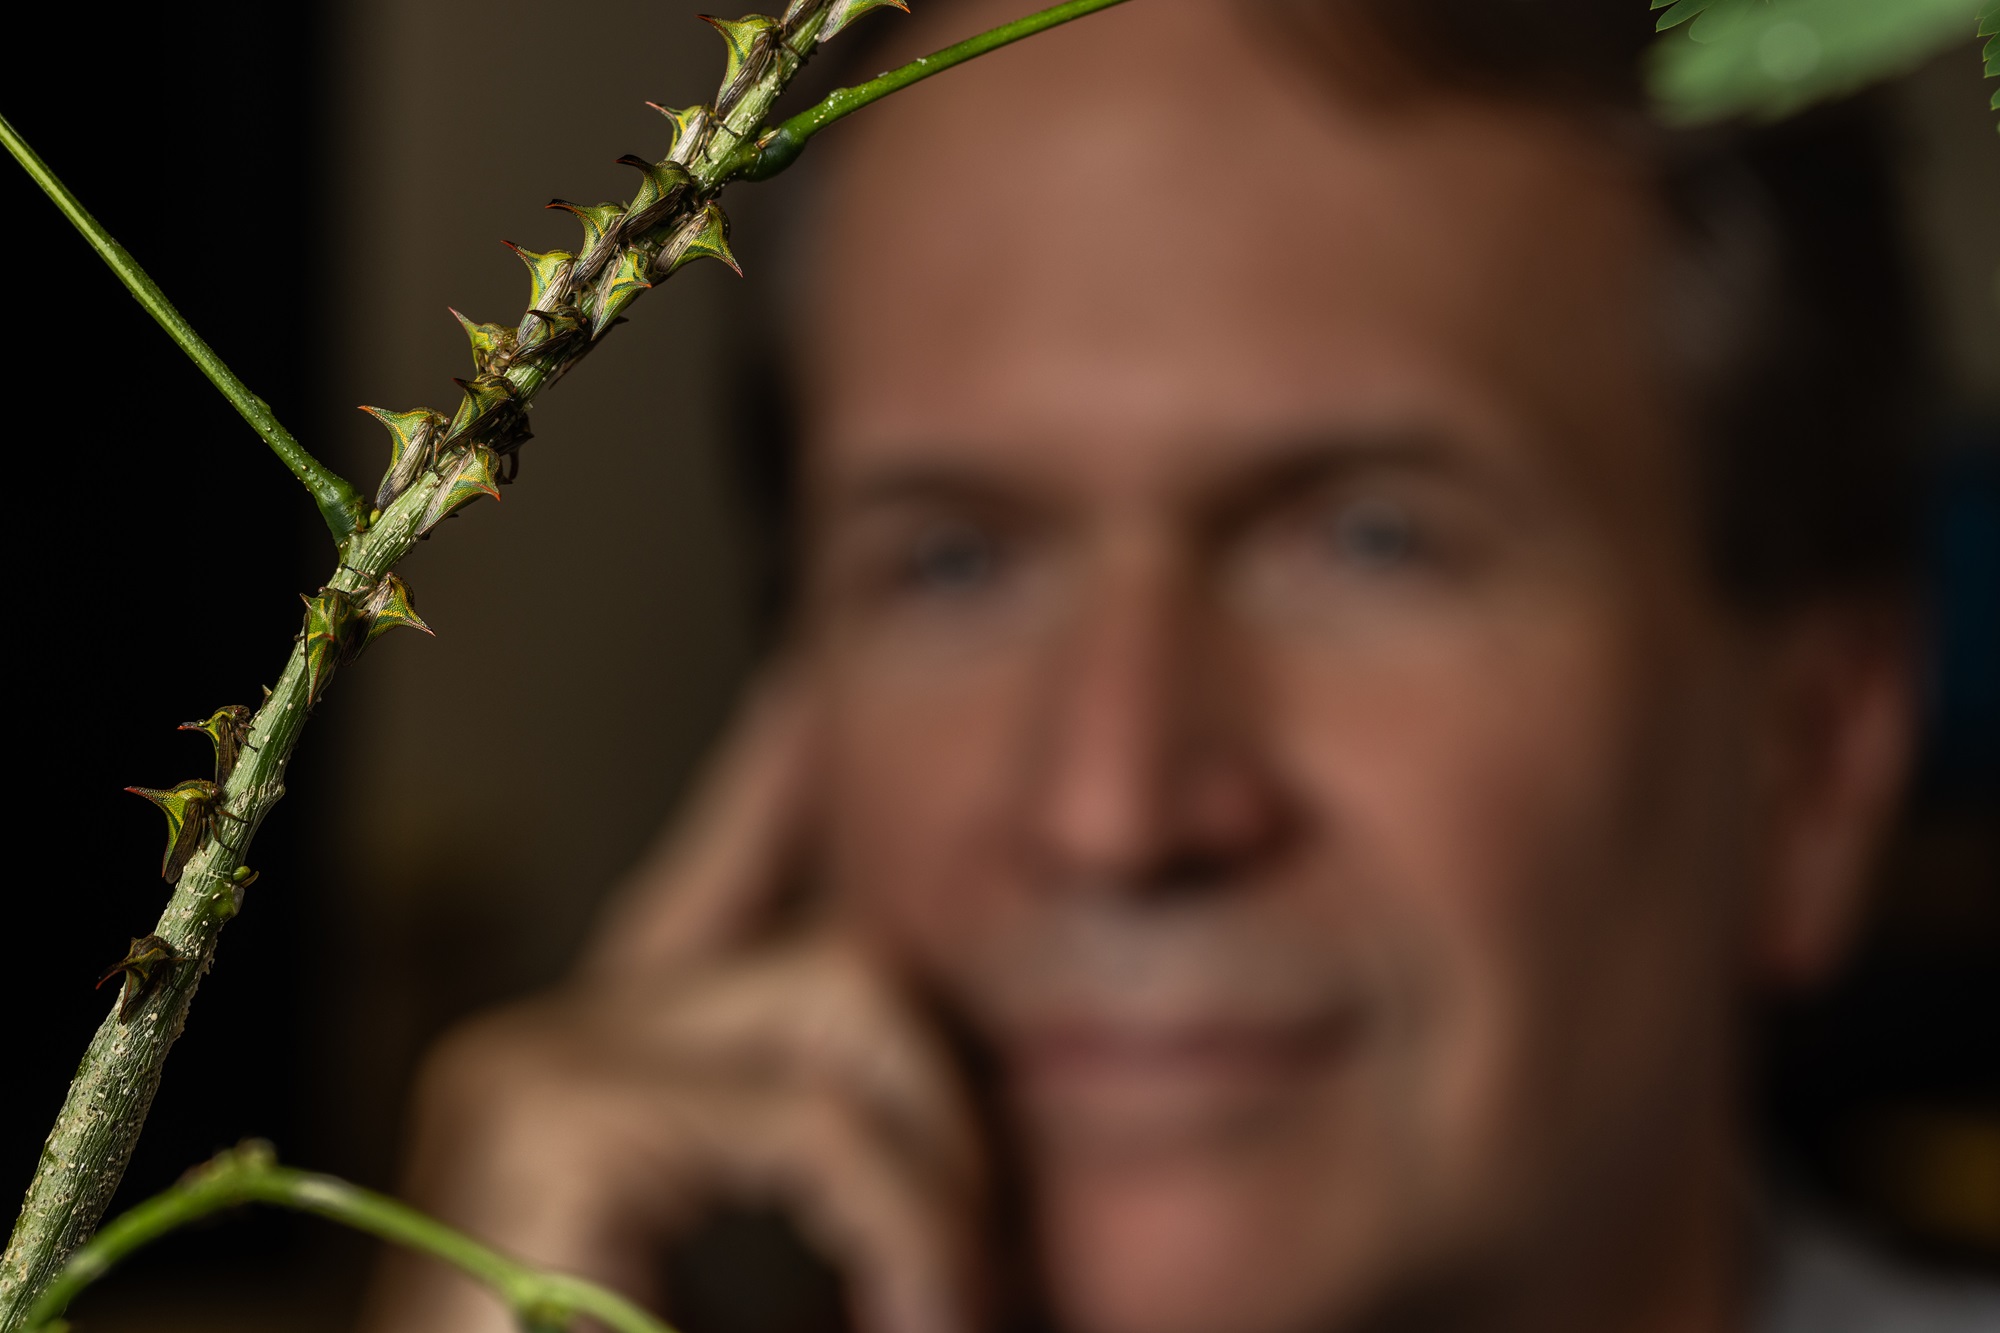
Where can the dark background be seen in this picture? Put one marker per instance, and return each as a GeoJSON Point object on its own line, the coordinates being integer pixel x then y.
{"type": "Point", "coordinates": [310, 186]}
{"type": "Point", "coordinates": [161, 547]}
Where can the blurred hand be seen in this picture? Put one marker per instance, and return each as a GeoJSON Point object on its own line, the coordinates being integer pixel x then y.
{"type": "Point", "coordinates": [698, 1059]}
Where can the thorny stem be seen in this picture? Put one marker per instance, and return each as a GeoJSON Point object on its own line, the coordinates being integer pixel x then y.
{"type": "Point", "coordinates": [578, 298]}
{"type": "Point", "coordinates": [339, 503]}
{"type": "Point", "coordinates": [779, 146]}
{"type": "Point", "coordinates": [249, 1174]}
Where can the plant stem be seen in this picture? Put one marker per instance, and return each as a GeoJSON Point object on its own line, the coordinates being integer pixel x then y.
{"type": "Point", "coordinates": [248, 1174]}
{"type": "Point", "coordinates": [94, 1133]}
{"type": "Point", "coordinates": [339, 503]}
{"type": "Point", "coordinates": [778, 147]}
{"type": "Point", "coordinates": [87, 1150]}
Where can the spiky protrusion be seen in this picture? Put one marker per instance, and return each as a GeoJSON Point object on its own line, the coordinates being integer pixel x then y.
{"type": "Point", "coordinates": [491, 343]}
{"type": "Point", "coordinates": [688, 123]}
{"type": "Point", "coordinates": [485, 398]}
{"type": "Point", "coordinates": [388, 606]}
{"type": "Point", "coordinates": [703, 236]}
{"type": "Point", "coordinates": [329, 625]}
{"type": "Point", "coordinates": [227, 728]}
{"type": "Point", "coordinates": [843, 12]}
{"type": "Point", "coordinates": [144, 965]}
{"type": "Point", "coordinates": [469, 474]}
{"type": "Point", "coordinates": [546, 271]}
{"type": "Point", "coordinates": [599, 220]}
{"type": "Point", "coordinates": [621, 289]}
{"type": "Point", "coordinates": [746, 40]}
{"type": "Point", "coordinates": [411, 436]}
{"type": "Point", "coordinates": [190, 808]}
{"type": "Point", "coordinates": [662, 189]}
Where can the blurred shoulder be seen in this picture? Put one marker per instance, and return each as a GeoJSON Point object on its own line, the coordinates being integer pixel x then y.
{"type": "Point", "coordinates": [1825, 1281]}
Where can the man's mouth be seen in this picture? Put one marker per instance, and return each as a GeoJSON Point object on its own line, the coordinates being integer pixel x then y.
{"type": "Point", "coordinates": [1097, 1084]}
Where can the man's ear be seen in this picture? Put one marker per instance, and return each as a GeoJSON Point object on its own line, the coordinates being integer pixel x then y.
{"type": "Point", "coordinates": [1840, 729]}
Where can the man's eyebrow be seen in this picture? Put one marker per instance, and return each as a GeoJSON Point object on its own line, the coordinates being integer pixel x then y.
{"type": "Point", "coordinates": [917, 482]}
{"type": "Point", "coordinates": [1294, 465]}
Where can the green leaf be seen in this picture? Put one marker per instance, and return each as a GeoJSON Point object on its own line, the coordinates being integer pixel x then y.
{"type": "Point", "coordinates": [227, 728]}
{"type": "Point", "coordinates": [470, 474]}
{"type": "Point", "coordinates": [621, 288]}
{"type": "Point", "coordinates": [1766, 59]}
{"type": "Point", "coordinates": [843, 12]}
{"type": "Point", "coordinates": [411, 435]}
{"type": "Point", "coordinates": [1678, 12]}
{"type": "Point", "coordinates": [188, 807]}
{"type": "Point", "coordinates": [703, 236]}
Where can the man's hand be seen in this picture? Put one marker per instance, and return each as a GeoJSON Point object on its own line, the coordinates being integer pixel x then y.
{"type": "Point", "coordinates": [697, 1059]}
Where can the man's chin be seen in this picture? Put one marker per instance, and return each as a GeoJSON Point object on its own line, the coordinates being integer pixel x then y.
{"type": "Point", "coordinates": [1178, 1238]}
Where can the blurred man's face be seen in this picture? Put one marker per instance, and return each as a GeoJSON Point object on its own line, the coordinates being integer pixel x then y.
{"type": "Point", "coordinates": [1273, 692]}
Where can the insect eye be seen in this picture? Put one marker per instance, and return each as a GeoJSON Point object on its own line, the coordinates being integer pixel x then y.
{"type": "Point", "coordinates": [1374, 534]}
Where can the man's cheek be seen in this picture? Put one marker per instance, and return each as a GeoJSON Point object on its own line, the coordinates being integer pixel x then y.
{"type": "Point", "coordinates": [915, 794]}
{"type": "Point", "coordinates": [1461, 794]}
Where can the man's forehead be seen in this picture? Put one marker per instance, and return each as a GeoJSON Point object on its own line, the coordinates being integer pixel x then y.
{"type": "Point", "coordinates": [1153, 221]}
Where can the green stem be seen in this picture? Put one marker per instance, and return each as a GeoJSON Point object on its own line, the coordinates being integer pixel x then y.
{"type": "Point", "coordinates": [105, 1107]}
{"type": "Point", "coordinates": [778, 147]}
{"type": "Point", "coordinates": [249, 1174]}
{"type": "Point", "coordinates": [339, 503]}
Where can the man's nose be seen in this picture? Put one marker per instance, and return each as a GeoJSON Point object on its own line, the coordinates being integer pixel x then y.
{"type": "Point", "coordinates": [1148, 774]}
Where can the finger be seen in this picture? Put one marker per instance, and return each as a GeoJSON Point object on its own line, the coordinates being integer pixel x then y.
{"type": "Point", "coordinates": [905, 1247]}
{"type": "Point", "coordinates": [818, 1011]}
{"type": "Point", "coordinates": [721, 863]}
{"type": "Point", "coordinates": [543, 1142]}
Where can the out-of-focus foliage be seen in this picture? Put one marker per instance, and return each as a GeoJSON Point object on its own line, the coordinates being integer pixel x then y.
{"type": "Point", "coordinates": [1989, 28]}
{"type": "Point", "coordinates": [1769, 58]}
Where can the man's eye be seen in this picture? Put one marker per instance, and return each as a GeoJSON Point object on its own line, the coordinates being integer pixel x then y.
{"type": "Point", "coordinates": [952, 559]}
{"type": "Point", "coordinates": [1371, 534]}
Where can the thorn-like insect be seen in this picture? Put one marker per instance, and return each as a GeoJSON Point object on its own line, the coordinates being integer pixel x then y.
{"type": "Point", "coordinates": [411, 437]}
{"type": "Point", "coordinates": [843, 12]}
{"type": "Point", "coordinates": [746, 40]}
{"type": "Point", "coordinates": [688, 123]}
{"type": "Point", "coordinates": [328, 629]}
{"type": "Point", "coordinates": [560, 330]}
{"type": "Point", "coordinates": [660, 190]}
{"type": "Point", "coordinates": [486, 397]}
{"type": "Point", "coordinates": [492, 344]}
{"type": "Point", "coordinates": [703, 236]}
{"type": "Point", "coordinates": [143, 967]}
{"type": "Point", "coordinates": [546, 272]}
{"type": "Point", "coordinates": [599, 221]}
{"type": "Point", "coordinates": [386, 607]}
{"type": "Point", "coordinates": [470, 474]}
{"type": "Point", "coordinates": [227, 728]}
{"type": "Point", "coordinates": [191, 808]}
{"type": "Point", "coordinates": [621, 288]}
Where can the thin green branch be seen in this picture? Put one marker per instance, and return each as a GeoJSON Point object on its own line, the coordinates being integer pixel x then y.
{"type": "Point", "coordinates": [250, 1174]}
{"type": "Point", "coordinates": [339, 503]}
{"type": "Point", "coordinates": [438, 463]}
{"type": "Point", "coordinates": [778, 147]}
